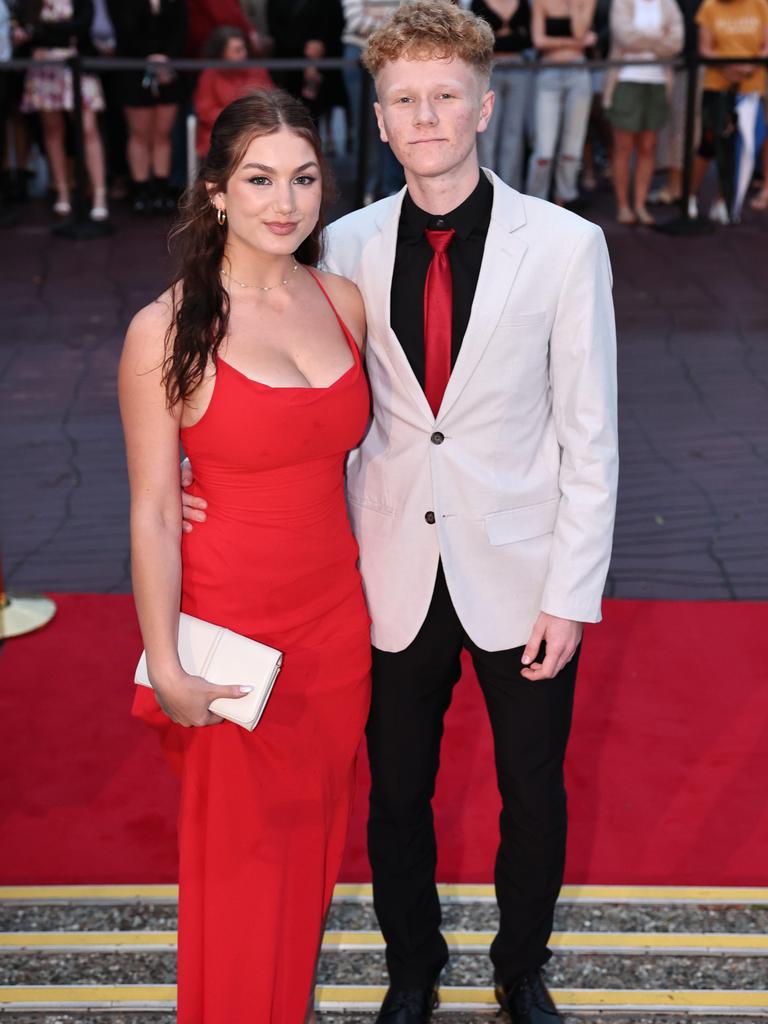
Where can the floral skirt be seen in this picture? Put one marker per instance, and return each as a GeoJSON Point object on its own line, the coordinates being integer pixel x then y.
{"type": "Point", "coordinates": [49, 87]}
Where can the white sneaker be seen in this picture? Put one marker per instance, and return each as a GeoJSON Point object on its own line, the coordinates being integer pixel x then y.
{"type": "Point", "coordinates": [693, 208]}
{"type": "Point", "coordinates": [718, 212]}
{"type": "Point", "coordinates": [99, 213]}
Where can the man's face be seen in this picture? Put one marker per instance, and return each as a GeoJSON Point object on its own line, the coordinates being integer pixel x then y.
{"type": "Point", "coordinates": [430, 112]}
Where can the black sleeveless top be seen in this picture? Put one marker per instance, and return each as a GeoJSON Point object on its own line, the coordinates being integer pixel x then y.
{"type": "Point", "coordinates": [519, 36]}
{"type": "Point", "coordinates": [558, 27]}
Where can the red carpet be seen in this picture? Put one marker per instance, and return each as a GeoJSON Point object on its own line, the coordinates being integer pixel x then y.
{"type": "Point", "coordinates": [667, 763]}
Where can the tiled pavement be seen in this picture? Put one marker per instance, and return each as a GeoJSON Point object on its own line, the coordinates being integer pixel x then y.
{"type": "Point", "coordinates": [693, 350]}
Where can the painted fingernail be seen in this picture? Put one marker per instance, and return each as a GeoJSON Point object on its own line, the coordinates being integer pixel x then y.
{"type": "Point", "coordinates": [246, 689]}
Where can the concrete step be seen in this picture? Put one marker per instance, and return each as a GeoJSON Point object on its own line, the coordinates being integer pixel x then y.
{"type": "Point", "coordinates": [622, 951]}
{"type": "Point", "coordinates": [368, 998]}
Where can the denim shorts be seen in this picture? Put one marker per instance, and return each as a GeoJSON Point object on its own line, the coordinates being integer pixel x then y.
{"type": "Point", "coordinates": [639, 107]}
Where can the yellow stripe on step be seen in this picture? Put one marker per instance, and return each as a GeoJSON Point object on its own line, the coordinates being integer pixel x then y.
{"type": "Point", "coordinates": [369, 997]}
{"type": "Point", "coordinates": [702, 943]}
{"type": "Point", "coordinates": [361, 892]}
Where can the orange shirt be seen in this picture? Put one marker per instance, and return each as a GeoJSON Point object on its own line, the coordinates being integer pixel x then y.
{"type": "Point", "coordinates": [216, 89]}
{"type": "Point", "coordinates": [738, 30]}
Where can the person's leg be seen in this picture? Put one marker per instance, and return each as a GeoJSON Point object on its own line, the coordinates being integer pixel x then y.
{"type": "Point", "coordinates": [623, 143]}
{"type": "Point", "coordinates": [353, 81]}
{"type": "Point", "coordinates": [760, 202]}
{"type": "Point", "coordinates": [164, 116]}
{"type": "Point", "coordinates": [547, 116]}
{"type": "Point", "coordinates": [94, 159]}
{"type": "Point", "coordinates": [747, 109]}
{"type": "Point", "coordinates": [531, 723]}
{"type": "Point", "coordinates": [725, 132]}
{"type": "Point", "coordinates": [488, 141]}
{"type": "Point", "coordinates": [576, 104]}
{"type": "Point", "coordinates": [54, 137]}
{"type": "Point", "coordinates": [411, 692]}
{"type": "Point", "coordinates": [513, 127]}
{"type": "Point", "coordinates": [644, 166]}
{"type": "Point", "coordinates": [139, 122]}
{"type": "Point", "coordinates": [162, 127]}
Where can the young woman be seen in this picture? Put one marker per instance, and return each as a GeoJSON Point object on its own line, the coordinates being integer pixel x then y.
{"type": "Point", "coordinates": [501, 146]}
{"type": "Point", "coordinates": [251, 361]}
{"type": "Point", "coordinates": [218, 87]}
{"type": "Point", "coordinates": [153, 29]}
{"type": "Point", "coordinates": [562, 34]}
{"type": "Point", "coordinates": [56, 29]}
{"type": "Point", "coordinates": [731, 106]}
{"type": "Point", "coordinates": [637, 96]}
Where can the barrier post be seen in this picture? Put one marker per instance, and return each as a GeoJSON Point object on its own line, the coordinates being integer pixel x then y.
{"type": "Point", "coordinates": [363, 132]}
{"type": "Point", "coordinates": [80, 226]}
{"type": "Point", "coordinates": [685, 224]}
{"type": "Point", "coordinates": [22, 613]}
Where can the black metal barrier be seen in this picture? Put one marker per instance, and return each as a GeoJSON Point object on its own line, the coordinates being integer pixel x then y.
{"type": "Point", "coordinates": [80, 226]}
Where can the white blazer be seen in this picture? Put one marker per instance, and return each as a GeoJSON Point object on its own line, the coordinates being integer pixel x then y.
{"type": "Point", "coordinates": [522, 486]}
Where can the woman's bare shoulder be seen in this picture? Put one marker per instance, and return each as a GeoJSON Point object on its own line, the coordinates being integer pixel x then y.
{"type": "Point", "coordinates": [347, 299]}
{"type": "Point", "coordinates": [147, 334]}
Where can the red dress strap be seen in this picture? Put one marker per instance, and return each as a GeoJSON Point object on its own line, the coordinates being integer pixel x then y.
{"type": "Point", "coordinates": [347, 333]}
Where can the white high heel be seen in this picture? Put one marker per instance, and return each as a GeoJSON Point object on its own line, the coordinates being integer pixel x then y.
{"type": "Point", "coordinates": [99, 210]}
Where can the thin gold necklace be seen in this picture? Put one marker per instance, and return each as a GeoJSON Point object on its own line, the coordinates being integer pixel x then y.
{"type": "Point", "coordinates": [261, 287]}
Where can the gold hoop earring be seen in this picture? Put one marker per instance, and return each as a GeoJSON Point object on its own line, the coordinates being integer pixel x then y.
{"type": "Point", "coordinates": [221, 217]}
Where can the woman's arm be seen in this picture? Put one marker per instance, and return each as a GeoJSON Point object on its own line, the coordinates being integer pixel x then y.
{"type": "Point", "coordinates": [547, 43]}
{"type": "Point", "coordinates": [672, 37]}
{"type": "Point", "coordinates": [356, 21]}
{"type": "Point", "coordinates": [152, 443]}
{"type": "Point", "coordinates": [623, 31]}
{"type": "Point", "coordinates": [582, 16]}
{"type": "Point", "coordinates": [61, 33]}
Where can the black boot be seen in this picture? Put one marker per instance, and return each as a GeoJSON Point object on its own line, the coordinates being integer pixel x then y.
{"type": "Point", "coordinates": [163, 197]}
{"type": "Point", "coordinates": [141, 201]}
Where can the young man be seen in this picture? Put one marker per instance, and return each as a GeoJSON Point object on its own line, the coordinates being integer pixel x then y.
{"type": "Point", "coordinates": [482, 496]}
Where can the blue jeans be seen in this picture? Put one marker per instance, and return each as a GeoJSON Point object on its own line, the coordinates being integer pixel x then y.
{"type": "Point", "coordinates": [387, 178]}
{"type": "Point", "coordinates": [500, 146]}
{"type": "Point", "coordinates": [561, 116]}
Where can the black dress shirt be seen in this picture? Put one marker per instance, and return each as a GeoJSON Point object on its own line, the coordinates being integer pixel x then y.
{"type": "Point", "coordinates": [413, 256]}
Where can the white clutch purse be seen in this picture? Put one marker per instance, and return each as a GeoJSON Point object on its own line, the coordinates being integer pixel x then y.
{"type": "Point", "coordinates": [225, 658]}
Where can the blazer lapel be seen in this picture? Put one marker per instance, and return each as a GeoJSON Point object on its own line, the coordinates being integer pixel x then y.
{"type": "Point", "coordinates": [377, 269]}
{"type": "Point", "coordinates": [502, 257]}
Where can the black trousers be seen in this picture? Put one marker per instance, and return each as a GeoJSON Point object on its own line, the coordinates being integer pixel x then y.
{"type": "Point", "coordinates": [530, 721]}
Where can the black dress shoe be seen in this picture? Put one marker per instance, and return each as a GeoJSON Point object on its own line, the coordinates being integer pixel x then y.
{"type": "Point", "coordinates": [528, 1001]}
{"type": "Point", "coordinates": [407, 1006]}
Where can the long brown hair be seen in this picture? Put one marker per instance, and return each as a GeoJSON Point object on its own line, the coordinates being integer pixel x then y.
{"type": "Point", "coordinates": [200, 301]}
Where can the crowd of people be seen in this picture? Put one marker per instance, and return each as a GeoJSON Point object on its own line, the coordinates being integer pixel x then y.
{"type": "Point", "coordinates": [558, 128]}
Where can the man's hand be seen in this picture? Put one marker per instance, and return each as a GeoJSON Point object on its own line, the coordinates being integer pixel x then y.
{"type": "Point", "coordinates": [192, 508]}
{"type": "Point", "coordinates": [562, 637]}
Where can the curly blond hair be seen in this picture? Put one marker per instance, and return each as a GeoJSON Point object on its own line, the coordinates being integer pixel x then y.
{"type": "Point", "coordinates": [420, 29]}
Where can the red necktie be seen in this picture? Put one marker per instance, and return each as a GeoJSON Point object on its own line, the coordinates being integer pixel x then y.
{"type": "Point", "coordinates": [438, 317]}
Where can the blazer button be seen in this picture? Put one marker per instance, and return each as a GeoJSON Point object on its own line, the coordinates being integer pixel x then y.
{"type": "Point", "coordinates": [437, 437]}
{"type": "Point", "coordinates": [430, 518]}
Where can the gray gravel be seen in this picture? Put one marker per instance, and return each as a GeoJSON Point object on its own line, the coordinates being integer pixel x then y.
{"type": "Point", "coordinates": [564, 971]}
{"type": "Point", "coordinates": [456, 917]}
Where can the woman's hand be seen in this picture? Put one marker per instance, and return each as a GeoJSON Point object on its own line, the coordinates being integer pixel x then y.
{"type": "Point", "coordinates": [185, 699]}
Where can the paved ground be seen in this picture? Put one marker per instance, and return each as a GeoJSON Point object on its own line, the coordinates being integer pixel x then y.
{"type": "Point", "coordinates": [693, 344]}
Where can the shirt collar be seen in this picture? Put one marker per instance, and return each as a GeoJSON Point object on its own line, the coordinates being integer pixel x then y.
{"type": "Point", "coordinates": [472, 216]}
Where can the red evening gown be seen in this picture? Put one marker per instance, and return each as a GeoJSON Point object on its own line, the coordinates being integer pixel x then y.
{"type": "Point", "coordinates": [263, 815]}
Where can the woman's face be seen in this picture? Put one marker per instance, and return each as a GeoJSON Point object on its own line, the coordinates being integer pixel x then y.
{"type": "Point", "coordinates": [273, 199]}
{"type": "Point", "coordinates": [235, 49]}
